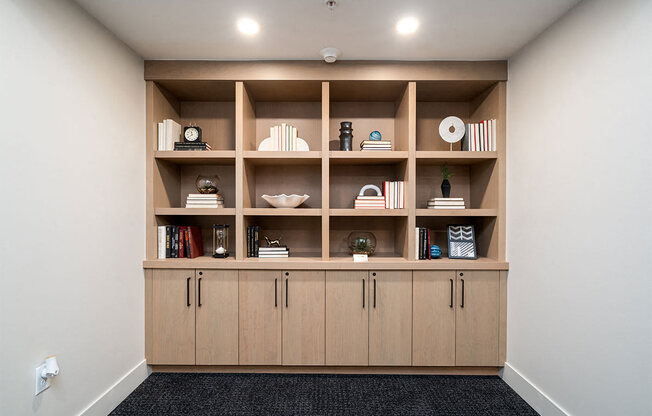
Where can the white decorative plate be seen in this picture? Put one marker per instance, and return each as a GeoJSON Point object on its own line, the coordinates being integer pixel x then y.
{"type": "Point", "coordinates": [285, 201]}
{"type": "Point", "coordinates": [267, 145]}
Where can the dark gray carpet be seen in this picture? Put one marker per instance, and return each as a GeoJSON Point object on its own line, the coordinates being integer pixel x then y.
{"type": "Point", "coordinates": [290, 394]}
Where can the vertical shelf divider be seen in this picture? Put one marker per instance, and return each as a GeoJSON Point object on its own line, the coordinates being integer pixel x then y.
{"type": "Point", "coordinates": [406, 121]}
{"type": "Point", "coordinates": [244, 127]}
{"type": "Point", "coordinates": [325, 171]}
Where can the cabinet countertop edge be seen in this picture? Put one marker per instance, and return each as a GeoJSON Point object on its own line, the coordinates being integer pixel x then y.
{"type": "Point", "coordinates": [326, 265]}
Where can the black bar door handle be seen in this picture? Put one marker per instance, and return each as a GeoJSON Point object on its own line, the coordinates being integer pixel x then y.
{"type": "Point", "coordinates": [451, 305]}
{"type": "Point", "coordinates": [363, 293]}
{"type": "Point", "coordinates": [199, 292]}
{"type": "Point", "coordinates": [188, 292]}
{"type": "Point", "coordinates": [276, 293]}
{"type": "Point", "coordinates": [374, 293]}
{"type": "Point", "coordinates": [286, 292]}
{"type": "Point", "coordinates": [462, 305]}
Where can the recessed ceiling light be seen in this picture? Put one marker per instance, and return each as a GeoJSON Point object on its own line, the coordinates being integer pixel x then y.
{"type": "Point", "coordinates": [407, 25]}
{"type": "Point", "coordinates": [248, 26]}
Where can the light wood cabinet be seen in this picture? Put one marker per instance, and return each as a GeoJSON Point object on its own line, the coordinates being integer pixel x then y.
{"type": "Point", "coordinates": [476, 319]}
{"type": "Point", "coordinates": [433, 342]}
{"type": "Point", "coordinates": [259, 317]}
{"type": "Point", "coordinates": [303, 317]}
{"type": "Point", "coordinates": [347, 317]}
{"type": "Point", "coordinates": [217, 317]}
{"type": "Point", "coordinates": [173, 317]}
{"type": "Point", "coordinates": [390, 318]}
{"type": "Point", "coordinates": [423, 318]}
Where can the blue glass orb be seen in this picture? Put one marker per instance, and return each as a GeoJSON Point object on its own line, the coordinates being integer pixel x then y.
{"type": "Point", "coordinates": [435, 252]}
{"type": "Point", "coordinates": [375, 135]}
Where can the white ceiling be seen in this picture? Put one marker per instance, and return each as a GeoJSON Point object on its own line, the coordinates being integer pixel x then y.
{"type": "Point", "coordinates": [299, 29]}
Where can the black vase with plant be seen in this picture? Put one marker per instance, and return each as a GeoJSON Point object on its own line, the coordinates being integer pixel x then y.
{"type": "Point", "coordinates": [445, 184]}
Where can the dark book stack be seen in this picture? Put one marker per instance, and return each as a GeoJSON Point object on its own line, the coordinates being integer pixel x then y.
{"type": "Point", "coordinates": [192, 146]}
{"type": "Point", "coordinates": [423, 247]}
{"type": "Point", "coordinates": [179, 241]}
{"type": "Point", "coordinates": [253, 240]}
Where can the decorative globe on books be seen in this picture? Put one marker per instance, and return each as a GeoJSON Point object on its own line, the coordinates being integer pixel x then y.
{"type": "Point", "coordinates": [375, 136]}
{"type": "Point", "coordinates": [207, 184]}
{"type": "Point", "coordinates": [362, 242]}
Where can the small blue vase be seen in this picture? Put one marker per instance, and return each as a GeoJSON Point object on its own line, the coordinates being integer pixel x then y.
{"type": "Point", "coordinates": [435, 252]}
{"type": "Point", "coordinates": [375, 135]}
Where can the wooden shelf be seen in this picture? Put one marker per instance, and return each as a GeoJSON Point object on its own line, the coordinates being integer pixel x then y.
{"type": "Point", "coordinates": [489, 212]}
{"type": "Point", "coordinates": [289, 212]}
{"type": "Point", "coordinates": [282, 158]}
{"type": "Point", "coordinates": [367, 157]}
{"type": "Point", "coordinates": [332, 263]}
{"type": "Point", "coordinates": [351, 212]}
{"type": "Point", "coordinates": [236, 116]}
{"type": "Point", "coordinates": [181, 157]}
{"type": "Point", "coordinates": [454, 157]}
{"type": "Point", "coordinates": [195, 211]}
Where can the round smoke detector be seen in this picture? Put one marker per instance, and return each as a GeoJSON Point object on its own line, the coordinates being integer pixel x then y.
{"type": "Point", "coordinates": [330, 54]}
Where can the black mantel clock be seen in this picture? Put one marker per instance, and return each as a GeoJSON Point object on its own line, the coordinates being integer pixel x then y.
{"type": "Point", "coordinates": [192, 134]}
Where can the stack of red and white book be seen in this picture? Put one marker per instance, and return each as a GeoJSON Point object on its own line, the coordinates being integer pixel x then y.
{"type": "Point", "coordinates": [480, 137]}
{"type": "Point", "coordinates": [369, 202]}
{"type": "Point", "coordinates": [394, 194]}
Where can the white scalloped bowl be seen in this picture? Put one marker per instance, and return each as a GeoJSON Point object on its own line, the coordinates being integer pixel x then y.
{"type": "Point", "coordinates": [285, 201]}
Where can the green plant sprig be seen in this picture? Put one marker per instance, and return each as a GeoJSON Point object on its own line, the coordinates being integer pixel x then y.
{"type": "Point", "coordinates": [445, 173]}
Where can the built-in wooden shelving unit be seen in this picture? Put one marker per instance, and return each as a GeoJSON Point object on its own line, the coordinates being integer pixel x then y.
{"type": "Point", "coordinates": [406, 104]}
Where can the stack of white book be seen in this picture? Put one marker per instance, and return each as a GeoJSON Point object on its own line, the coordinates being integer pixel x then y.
{"type": "Point", "coordinates": [369, 202]}
{"type": "Point", "coordinates": [205, 201]}
{"type": "Point", "coordinates": [169, 132]}
{"type": "Point", "coordinates": [446, 203]}
{"type": "Point", "coordinates": [376, 145]}
{"type": "Point", "coordinates": [273, 252]}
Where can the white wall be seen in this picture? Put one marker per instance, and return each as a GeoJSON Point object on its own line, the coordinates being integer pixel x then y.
{"type": "Point", "coordinates": [72, 180]}
{"type": "Point", "coordinates": [579, 160]}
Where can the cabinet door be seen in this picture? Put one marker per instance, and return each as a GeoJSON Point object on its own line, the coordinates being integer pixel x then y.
{"type": "Point", "coordinates": [433, 333]}
{"type": "Point", "coordinates": [217, 317]}
{"type": "Point", "coordinates": [347, 318]}
{"type": "Point", "coordinates": [303, 317]}
{"type": "Point", "coordinates": [259, 317]}
{"type": "Point", "coordinates": [476, 318]}
{"type": "Point", "coordinates": [173, 316]}
{"type": "Point", "coordinates": [390, 318]}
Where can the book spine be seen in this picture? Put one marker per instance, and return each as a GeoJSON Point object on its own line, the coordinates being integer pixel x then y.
{"type": "Point", "coordinates": [168, 241]}
{"type": "Point", "coordinates": [428, 245]}
{"type": "Point", "coordinates": [416, 244]}
{"type": "Point", "coordinates": [424, 244]}
{"type": "Point", "coordinates": [186, 236]}
{"type": "Point", "coordinates": [420, 243]}
{"type": "Point", "coordinates": [172, 242]}
{"type": "Point", "coordinates": [256, 241]}
{"type": "Point", "coordinates": [191, 243]}
{"type": "Point", "coordinates": [161, 241]}
{"type": "Point", "coordinates": [249, 241]}
{"type": "Point", "coordinates": [182, 242]}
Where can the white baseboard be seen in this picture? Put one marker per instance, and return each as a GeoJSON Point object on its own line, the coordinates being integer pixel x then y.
{"type": "Point", "coordinates": [111, 398]}
{"type": "Point", "coordinates": [531, 393]}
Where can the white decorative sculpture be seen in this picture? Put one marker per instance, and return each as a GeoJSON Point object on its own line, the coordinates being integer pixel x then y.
{"type": "Point", "coordinates": [373, 187]}
{"type": "Point", "coordinates": [267, 145]}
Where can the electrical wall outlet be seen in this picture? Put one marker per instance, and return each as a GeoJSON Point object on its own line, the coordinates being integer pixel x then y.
{"type": "Point", "coordinates": [41, 383]}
